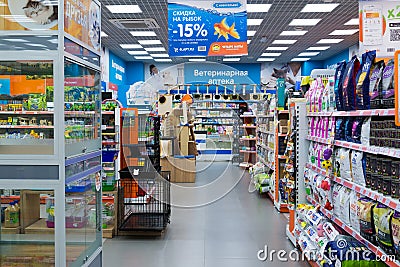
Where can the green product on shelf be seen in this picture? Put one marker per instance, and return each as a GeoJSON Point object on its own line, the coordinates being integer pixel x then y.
{"type": "Point", "coordinates": [37, 102]}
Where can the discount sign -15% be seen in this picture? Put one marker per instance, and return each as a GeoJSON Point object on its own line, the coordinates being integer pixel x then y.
{"type": "Point", "coordinates": [188, 30]}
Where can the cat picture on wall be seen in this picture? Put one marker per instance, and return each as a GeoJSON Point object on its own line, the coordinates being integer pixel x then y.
{"type": "Point", "coordinates": [41, 11]}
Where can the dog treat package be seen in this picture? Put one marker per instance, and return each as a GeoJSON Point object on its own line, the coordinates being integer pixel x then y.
{"type": "Point", "coordinates": [338, 88]}
{"type": "Point", "coordinates": [395, 225]}
{"type": "Point", "coordinates": [358, 167]}
{"type": "Point", "coordinates": [375, 85]}
{"type": "Point", "coordinates": [366, 131]}
{"type": "Point", "coordinates": [367, 229]}
{"type": "Point", "coordinates": [363, 80]}
{"type": "Point", "coordinates": [382, 219]}
{"type": "Point", "coordinates": [354, 211]}
{"type": "Point", "coordinates": [349, 84]}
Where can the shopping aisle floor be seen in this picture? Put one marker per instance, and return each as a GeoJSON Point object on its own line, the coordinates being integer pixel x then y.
{"type": "Point", "coordinates": [228, 232]}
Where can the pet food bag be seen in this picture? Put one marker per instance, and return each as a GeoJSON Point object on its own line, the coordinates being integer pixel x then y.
{"type": "Point", "coordinates": [382, 219]}
{"type": "Point", "coordinates": [367, 229]}
{"type": "Point", "coordinates": [388, 85]}
{"type": "Point", "coordinates": [345, 163]}
{"type": "Point", "coordinates": [375, 85]}
{"type": "Point", "coordinates": [345, 205]}
{"type": "Point", "coordinates": [366, 131]}
{"type": "Point", "coordinates": [363, 80]}
{"type": "Point", "coordinates": [396, 233]}
{"type": "Point", "coordinates": [338, 88]}
{"type": "Point", "coordinates": [336, 198]}
{"type": "Point", "coordinates": [358, 167]}
{"type": "Point", "coordinates": [354, 211]}
{"type": "Point", "coordinates": [349, 84]}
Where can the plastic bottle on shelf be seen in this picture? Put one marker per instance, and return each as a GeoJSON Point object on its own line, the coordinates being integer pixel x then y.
{"type": "Point", "coordinates": [7, 222]}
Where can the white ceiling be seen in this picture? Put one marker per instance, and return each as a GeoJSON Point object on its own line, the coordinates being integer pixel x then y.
{"type": "Point", "coordinates": [277, 20]}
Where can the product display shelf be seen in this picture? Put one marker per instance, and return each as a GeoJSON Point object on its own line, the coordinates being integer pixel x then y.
{"type": "Point", "coordinates": [376, 250]}
{"type": "Point", "coordinates": [248, 140]}
{"type": "Point", "coordinates": [355, 113]}
{"type": "Point", "coordinates": [379, 197]}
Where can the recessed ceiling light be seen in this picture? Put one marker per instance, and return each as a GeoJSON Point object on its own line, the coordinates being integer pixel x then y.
{"type": "Point", "coordinates": [17, 40]}
{"type": "Point", "coordinates": [344, 32]}
{"type": "Point", "coordinates": [319, 7]}
{"type": "Point", "coordinates": [233, 59]}
{"type": "Point", "coordinates": [265, 59]}
{"type": "Point", "coordinates": [163, 59]}
{"type": "Point", "coordinates": [143, 33]}
{"type": "Point", "coordinates": [197, 59]}
{"type": "Point", "coordinates": [277, 48]}
{"type": "Point", "coordinates": [293, 33]}
{"type": "Point", "coordinates": [159, 55]}
{"type": "Point", "coordinates": [271, 54]}
{"type": "Point", "coordinates": [252, 22]}
{"type": "Point", "coordinates": [251, 33]}
{"type": "Point", "coordinates": [329, 41]}
{"type": "Point", "coordinates": [258, 7]}
{"type": "Point", "coordinates": [353, 22]}
{"type": "Point", "coordinates": [318, 48]}
{"type": "Point", "coordinates": [124, 8]}
{"type": "Point", "coordinates": [103, 34]}
{"type": "Point", "coordinates": [304, 22]}
{"type": "Point", "coordinates": [248, 41]}
{"type": "Point", "coordinates": [53, 41]}
{"type": "Point", "coordinates": [308, 54]}
{"type": "Point", "coordinates": [149, 42]}
{"type": "Point", "coordinates": [284, 41]}
{"type": "Point", "coordinates": [131, 46]}
{"type": "Point", "coordinates": [137, 52]}
{"type": "Point", "coordinates": [143, 57]}
{"type": "Point", "coordinates": [301, 59]}
{"type": "Point", "coordinates": [154, 49]}
{"type": "Point", "coordinates": [36, 45]}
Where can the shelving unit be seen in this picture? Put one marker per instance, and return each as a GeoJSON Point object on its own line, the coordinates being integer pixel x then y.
{"type": "Point", "coordinates": [248, 140]}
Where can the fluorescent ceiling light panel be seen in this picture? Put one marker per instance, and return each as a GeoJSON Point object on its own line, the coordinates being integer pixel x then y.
{"type": "Point", "coordinates": [308, 54]}
{"type": "Point", "coordinates": [232, 59]}
{"type": "Point", "coordinates": [284, 41]}
{"type": "Point", "coordinates": [271, 54]}
{"type": "Point", "coordinates": [131, 46]}
{"type": "Point", "coordinates": [197, 59]}
{"type": "Point", "coordinates": [53, 41]}
{"type": "Point", "coordinates": [137, 52]}
{"type": "Point", "coordinates": [143, 33]}
{"type": "Point", "coordinates": [304, 22]}
{"type": "Point", "coordinates": [36, 45]}
{"type": "Point", "coordinates": [324, 8]}
{"type": "Point", "coordinates": [252, 8]}
{"type": "Point", "coordinates": [265, 59]}
{"type": "Point", "coordinates": [329, 41]}
{"type": "Point", "coordinates": [251, 33]}
{"type": "Point", "coordinates": [124, 9]}
{"type": "Point", "coordinates": [344, 32]}
{"type": "Point", "coordinates": [277, 48]}
{"type": "Point", "coordinates": [248, 41]}
{"type": "Point", "coordinates": [149, 42]}
{"type": "Point", "coordinates": [154, 49]}
{"type": "Point", "coordinates": [254, 22]}
{"type": "Point", "coordinates": [103, 34]}
{"type": "Point", "coordinates": [17, 40]}
{"type": "Point", "coordinates": [143, 57]}
{"type": "Point", "coordinates": [301, 59]}
{"type": "Point", "coordinates": [163, 59]}
{"type": "Point", "coordinates": [159, 55]}
{"type": "Point", "coordinates": [293, 33]}
{"type": "Point", "coordinates": [318, 48]}
{"type": "Point", "coordinates": [353, 22]}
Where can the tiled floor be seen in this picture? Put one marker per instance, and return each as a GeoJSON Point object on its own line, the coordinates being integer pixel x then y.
{"type": "Point", "coordinates": [228, 232]}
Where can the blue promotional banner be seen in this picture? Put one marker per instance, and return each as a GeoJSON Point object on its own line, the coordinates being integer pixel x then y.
{"type": "Point", "coordinates": [207, 28]}
{"type": "Point", "coordinates": [117, 70]}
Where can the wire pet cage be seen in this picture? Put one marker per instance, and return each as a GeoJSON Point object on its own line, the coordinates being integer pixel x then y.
{"type": "Point", "coordinates": [144, 202]}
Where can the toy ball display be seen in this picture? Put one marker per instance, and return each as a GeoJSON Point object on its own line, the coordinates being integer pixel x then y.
{"type": "Point", "coordinates": [326, 164]}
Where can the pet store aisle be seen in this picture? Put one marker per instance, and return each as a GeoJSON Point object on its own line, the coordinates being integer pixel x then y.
{"type": "Point", "coordinates": [228, 232]}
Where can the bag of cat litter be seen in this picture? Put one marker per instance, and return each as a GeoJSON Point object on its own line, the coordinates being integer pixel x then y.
{"type": "Point", "coordinates": [382, 218]}
{"type": "Point", "coordinates": [354, 211]}
{"type": "Point", "coordinates": [366, 131]}
{"type": "Point", "coordinates": [348, 130]}
{"type": "Point", "coordinates": [375, 86]}
{"type": "Point", "coordinates": [345, 205]}
{"type": "Point", "coordinates": [338, 88]}
{"type": "Point", "coordinates": [363, 80]}
{"type": "Point", "coordinates": [345, 163]}
{"type": "Point", "coordinates": [358, 167]}
{"type": "Point", "coordinates": [356, 130]}
{"type": "Point", "coordinates": [367, 229]}
{"type": "Point", "coordinates": [336, 198]}
{"type": "Point", "coordinates": [388, 85]}
{"type": "Point", "coordinates": [349, 84]}
{"type": "Point", "coordinates": [396, 233]}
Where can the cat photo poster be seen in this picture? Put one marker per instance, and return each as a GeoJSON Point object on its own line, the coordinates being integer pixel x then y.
{"type": "Point", "coordinates": [270, 72]}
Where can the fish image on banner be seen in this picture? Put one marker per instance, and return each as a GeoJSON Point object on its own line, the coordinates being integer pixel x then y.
{"type": "Point", "coordinates": [222, 29]}
{"type": "Point", "coordinates": [207, 28]}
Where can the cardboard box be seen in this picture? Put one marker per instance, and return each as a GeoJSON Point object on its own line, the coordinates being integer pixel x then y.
{"type": "Point", "coordinates": [183, 170]}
